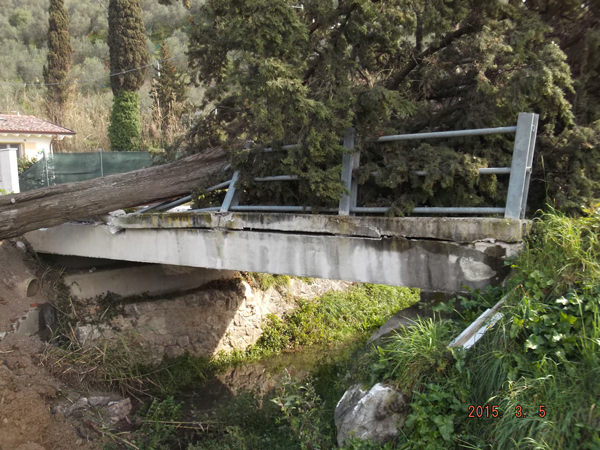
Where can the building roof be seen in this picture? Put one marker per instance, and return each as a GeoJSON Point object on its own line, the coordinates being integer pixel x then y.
{"type": "Point", "coordinates": [18, 123]}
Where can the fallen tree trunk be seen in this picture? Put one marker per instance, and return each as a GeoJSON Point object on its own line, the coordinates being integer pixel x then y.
{"type": "Point", "coordinates": [47, 207]}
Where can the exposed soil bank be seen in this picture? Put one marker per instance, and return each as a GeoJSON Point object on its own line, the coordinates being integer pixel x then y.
{"type": "Point", "coordinates": [27, 394]}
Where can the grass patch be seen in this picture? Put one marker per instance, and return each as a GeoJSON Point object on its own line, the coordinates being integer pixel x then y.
{"type": "Point", "coordinates": [334, 317]}
{"type": "Point", "coordinates": [106, 365]}
{"type": "Point", "coordinates": [298, 414]}
{"type": "Point", "coordinates": [415, 354]}
{"type": "Point", "coordinates": [264, 281]}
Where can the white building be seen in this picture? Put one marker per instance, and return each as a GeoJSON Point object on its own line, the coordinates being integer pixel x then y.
{"type": "Point", "coordinates": [32, 137]}
{"type": "Point", "coordinates": [24, 136]}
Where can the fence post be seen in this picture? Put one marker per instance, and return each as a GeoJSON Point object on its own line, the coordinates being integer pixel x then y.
{"type": "Point", "coordinates": [46, 169]}
{"type": "Point", "coordinates": [101, 163]}
{"type": "Point", "coordinates": [520, 170]}
{"type": "Point", "coordinates": [350, 161]}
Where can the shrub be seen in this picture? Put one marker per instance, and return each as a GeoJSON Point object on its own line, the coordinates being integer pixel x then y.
{"type": "Point", "coordinates": [125, 127]}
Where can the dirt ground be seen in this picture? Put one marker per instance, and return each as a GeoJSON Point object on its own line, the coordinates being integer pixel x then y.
{"type": "Point", "coordinates": [27, 391]}
{"type": "Point", "coordinates": [17, 269]}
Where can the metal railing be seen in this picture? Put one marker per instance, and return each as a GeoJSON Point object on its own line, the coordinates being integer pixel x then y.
{"type": "Point", "coordinates": [518, 186]}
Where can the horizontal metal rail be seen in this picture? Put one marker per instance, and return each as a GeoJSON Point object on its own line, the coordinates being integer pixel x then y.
{"type": "Point", "coordinates": [283, 147]}
{"type": "Point", "coordinates": [151, 208]}
{"type": "Point", "coordinates": [494, 170]}
{"type": "Point", "coordinates": [432, 210]}
{"type": "Point", "coordinates": [444, 134]}
{"type": "Point", "coordinates": [222, 185]}
{"type": "Point", "coordinates": [209, 209]}
{"type": "Point", "coordinates": [358, 209]}
{"type": "Point", "coordinates": [148, 208]}
{"type": "Point", "coordinates": [175, 203]}
{"type": "Point", "coordinates": [278, 178]}
{"type": "Point", "coordinates": [273, 208]}
{"type": "Point", "coordinates": [481, 170]}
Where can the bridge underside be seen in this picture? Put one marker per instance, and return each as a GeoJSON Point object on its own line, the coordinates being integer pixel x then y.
{"type": "Point", "coordinates": [434, 254]}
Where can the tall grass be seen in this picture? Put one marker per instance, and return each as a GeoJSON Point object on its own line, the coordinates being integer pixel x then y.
{"type": "Point", "coordinates": [549, 345]}
{"type": "Point", "coordinates": [562, 252]}
{"type": "Point", "coordinates": [414, 354]}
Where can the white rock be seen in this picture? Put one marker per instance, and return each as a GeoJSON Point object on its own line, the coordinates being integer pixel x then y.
{"type": "Point", "coordinates": [118, 410]}
{"type": "Point", "coordinates": [373, 415]}
{"type": "Point", "coordinates": [99, 400]}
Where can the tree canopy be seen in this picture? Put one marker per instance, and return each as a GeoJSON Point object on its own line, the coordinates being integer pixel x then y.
{"type": "Point", "coordinates": [282, 71]}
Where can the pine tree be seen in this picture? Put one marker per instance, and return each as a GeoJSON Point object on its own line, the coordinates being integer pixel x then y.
{"type": "Point", "coordinates": [58, 62]}
{"type": "Point", "coordinates": [128, 66]}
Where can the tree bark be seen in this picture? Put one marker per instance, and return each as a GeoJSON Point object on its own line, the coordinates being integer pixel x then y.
{"type": "Point", "coordinates": [47, 207]}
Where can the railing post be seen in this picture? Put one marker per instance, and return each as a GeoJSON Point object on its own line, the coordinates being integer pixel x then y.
{"type": "Point", "coordinates": [231, 192]}
{"type": "Point", "coordinates": [520, 170]}
{"type": "Point", "coordinates": [350, 161]}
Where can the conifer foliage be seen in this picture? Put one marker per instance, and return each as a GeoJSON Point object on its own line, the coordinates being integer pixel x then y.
{"type": "Point", "coordinates": [128, 66]}
{"type": "Point", "coordinates": [287, 71]}
{"type": "Point", "coordinates": [58, 62]}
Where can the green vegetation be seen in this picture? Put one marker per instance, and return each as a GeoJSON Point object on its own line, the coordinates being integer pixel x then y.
{"type": "Point", "coordinates": [25, 163]}
{"type": "Point", "coordinates": [415, 354]}
{"type": "Point", "coordinates": [401, 66]}
{"type": "Point", "coordinates": [541, 359]}
{"type": "Point", "coordinates": [266, 280]}
{"type": "Point", "coordinates": [298, 414]}
{"type": "Point", "coordinates": [24, 54]}
{"type": "Point", "coordinates": [336, 316]}
{"type": "Point", "coordinates": [125, 126]}
{"type": "Point", "coordinates": [168, 94]}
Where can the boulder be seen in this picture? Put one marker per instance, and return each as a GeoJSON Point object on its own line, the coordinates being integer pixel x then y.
{"type": "Point", "coordinates": [373, 415]}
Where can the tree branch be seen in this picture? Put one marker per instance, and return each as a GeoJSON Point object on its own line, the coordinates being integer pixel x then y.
{"type": "Point", "coordinates": [414, 62]}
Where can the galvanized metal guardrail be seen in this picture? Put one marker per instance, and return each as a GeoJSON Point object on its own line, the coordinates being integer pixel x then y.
{"type": "Point", "coordinates": [518, 187]}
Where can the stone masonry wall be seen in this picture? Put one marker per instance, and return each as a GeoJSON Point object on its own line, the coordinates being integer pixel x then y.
{"type": "Point", "coordinates": [224, 316]}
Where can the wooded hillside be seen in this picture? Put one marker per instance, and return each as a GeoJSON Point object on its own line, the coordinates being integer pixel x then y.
{"type": "Point", "coordinates": [23, 48]}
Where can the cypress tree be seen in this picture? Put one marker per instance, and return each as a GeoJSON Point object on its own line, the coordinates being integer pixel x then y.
{"type": "Point", "coordinates": [58, 62]}
{"type": "Point", "coordinates": [128, 56]}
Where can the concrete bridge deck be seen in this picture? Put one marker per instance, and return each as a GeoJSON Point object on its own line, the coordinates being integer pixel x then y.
{"type": "Point", "coordinates": [431, 253]}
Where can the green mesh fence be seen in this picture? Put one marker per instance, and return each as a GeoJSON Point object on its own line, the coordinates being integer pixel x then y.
{"type": "Point", "coordinates": [69, 167]}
